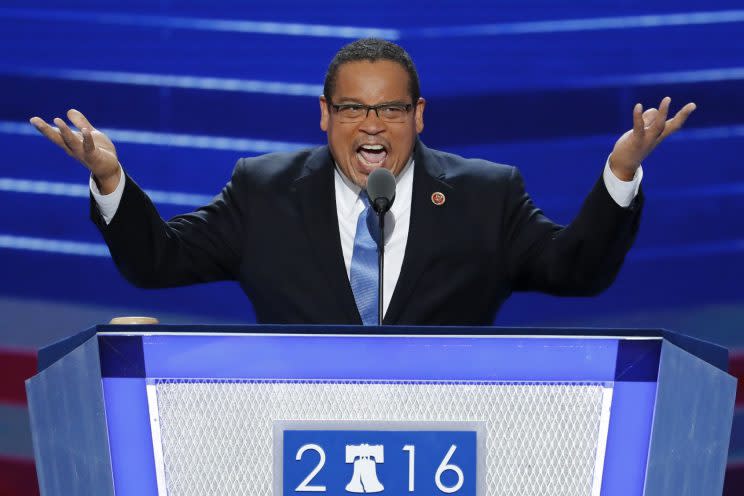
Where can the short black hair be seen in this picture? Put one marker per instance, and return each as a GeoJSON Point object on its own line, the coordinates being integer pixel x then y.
{"type": "Point", "coordinates": [372, 50]}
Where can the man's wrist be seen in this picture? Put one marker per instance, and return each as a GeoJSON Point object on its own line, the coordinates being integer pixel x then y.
{"type": "Point", "coordinates": [624, 172]}
{"type": "Point", "coordinates": [108, 184]}
{"type": "Point", "coordinates": [622, 192]}
{"type": "Point", "coordinates": [108, 203]}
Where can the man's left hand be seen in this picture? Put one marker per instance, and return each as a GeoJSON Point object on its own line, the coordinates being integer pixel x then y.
{"type": "Point", "coordinates": [649, 129]}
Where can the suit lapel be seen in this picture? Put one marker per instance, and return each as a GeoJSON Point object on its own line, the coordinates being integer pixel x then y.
{"type": "Point", "coordinates": [425, 230]}
{"type": "Point", "coordinates": [316, 199]}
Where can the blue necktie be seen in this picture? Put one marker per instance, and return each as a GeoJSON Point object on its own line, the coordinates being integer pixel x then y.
{"type": "Point", "coordinates": [364, 267]}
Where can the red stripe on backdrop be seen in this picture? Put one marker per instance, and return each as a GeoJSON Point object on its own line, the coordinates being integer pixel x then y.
{"type": "Point", "coordinates": [734, 483]}
{"type": "Point", "coordinates": [16, 365]}
{"type": "Point", "coordinates": [736, 368]}
{"type": "Point", "coordinates": [17, 477]}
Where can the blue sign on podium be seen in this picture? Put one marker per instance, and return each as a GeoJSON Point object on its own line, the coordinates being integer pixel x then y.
{"type": "Point", "coordinates": [343, 462]}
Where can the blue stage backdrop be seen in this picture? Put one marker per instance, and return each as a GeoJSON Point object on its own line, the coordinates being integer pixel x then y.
{"type": "Point", "coordinates": [185, 88]}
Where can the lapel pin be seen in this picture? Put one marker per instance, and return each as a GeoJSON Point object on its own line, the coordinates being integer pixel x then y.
{"type": "Point", "coordinates": [438, 198]}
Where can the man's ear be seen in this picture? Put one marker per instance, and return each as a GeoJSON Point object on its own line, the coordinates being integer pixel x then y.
{"type": "Point", "coordinates": [324, 115]}
{"type": "Point", "coordinates": [420, 115]}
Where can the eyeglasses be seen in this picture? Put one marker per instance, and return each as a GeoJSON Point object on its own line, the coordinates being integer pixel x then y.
{"type": "Point", "coordinates": [388, 112]}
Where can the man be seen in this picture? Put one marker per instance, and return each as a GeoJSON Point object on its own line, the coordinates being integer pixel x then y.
{"type": "Point", "coordinates": [292, 227]}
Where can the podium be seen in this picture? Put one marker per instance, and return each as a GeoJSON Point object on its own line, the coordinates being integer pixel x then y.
{"type": "Point", "coordinates": [291, 410]}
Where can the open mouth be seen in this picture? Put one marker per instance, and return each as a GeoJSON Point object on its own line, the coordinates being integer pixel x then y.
{"type": "Point", "coordinates": [372, 156]}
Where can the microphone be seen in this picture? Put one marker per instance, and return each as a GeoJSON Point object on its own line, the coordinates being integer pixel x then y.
{"type": "Point", "coordinates": [381, 192]}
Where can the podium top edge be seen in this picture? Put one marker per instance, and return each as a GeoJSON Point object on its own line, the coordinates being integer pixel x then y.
{"type": "Point", "coordinates": [378, 330]}
{"type": "Point", "coordinates": [140, 332]}
{"type": "Point", "coordinates": [712, 353]}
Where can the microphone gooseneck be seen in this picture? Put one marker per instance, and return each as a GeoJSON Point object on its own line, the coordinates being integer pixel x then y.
{"type": "Point", "coordinates": [381, 192]}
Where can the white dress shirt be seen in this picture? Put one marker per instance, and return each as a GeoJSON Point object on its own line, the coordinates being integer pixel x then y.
{"type": "Point", "coordinates": [397, 220]}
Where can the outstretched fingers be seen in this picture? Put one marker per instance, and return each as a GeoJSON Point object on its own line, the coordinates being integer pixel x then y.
{"type": "Point", "coordinates": [658, 123]}
{"type": "Point", "coordinates": [664, 107]}
{"type": "Point", "coordinates": [72, 140]}
{"type": "Point", "coordinates": [639, 126]}
{"type": "Point", "coordinates": [649, 117]}
{"type": "Point", "coordinates": [679, 119]}
{"type": "Point", "coordinates": [79, 120]}
{"type": "Point", "coordinates": [47, 130]}
{"type": "Point", "coordinates": [88, 144]}
{"type": "Point", "coordinates": [51, 133]}
{"type": "Point", "coordinates": [82, 142]}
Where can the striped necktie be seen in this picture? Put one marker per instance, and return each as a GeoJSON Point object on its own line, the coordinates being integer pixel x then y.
{"type": "Point", "coordinates": [364, 267]}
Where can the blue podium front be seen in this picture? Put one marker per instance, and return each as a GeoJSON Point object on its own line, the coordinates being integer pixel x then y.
{"type": "Point", "coordinates": [288, 411]}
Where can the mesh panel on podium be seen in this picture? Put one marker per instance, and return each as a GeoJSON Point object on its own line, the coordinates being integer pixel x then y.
{"type": "Point", "coordinates": [216, 436]}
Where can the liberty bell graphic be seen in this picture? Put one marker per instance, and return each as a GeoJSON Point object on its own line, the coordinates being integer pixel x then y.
{"type": "Point", "coordinates": [365, 459]}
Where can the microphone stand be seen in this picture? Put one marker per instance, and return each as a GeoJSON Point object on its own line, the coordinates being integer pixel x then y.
{"type": "Point", "coordinates": [381, 191]}
{"type": "Point", "coordinates": [381, 264]}
{"type": "Point", "coordinates": [382, 206]}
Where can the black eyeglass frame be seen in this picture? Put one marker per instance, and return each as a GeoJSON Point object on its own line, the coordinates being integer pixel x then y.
{"type": "Point", "coordinates": [338, 107]}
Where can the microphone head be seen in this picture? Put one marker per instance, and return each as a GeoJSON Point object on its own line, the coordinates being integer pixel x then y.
{"type": "Point", "coordinates": [381, 189]}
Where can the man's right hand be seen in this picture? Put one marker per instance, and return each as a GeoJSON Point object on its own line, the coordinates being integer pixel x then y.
{"type": "Point", "coordinates": [89, 146]}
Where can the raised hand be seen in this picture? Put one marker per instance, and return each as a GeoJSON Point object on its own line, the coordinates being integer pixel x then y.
{"type": "Point", "coordinates": [89, 146]}
{"type": "Point", "coordinates": [649, 129]}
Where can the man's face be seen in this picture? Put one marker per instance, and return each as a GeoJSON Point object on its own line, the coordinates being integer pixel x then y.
{"type": "Point", "coordinates": [355, 145]}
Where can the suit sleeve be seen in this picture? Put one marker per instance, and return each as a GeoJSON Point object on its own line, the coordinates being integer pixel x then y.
{"type": "Point", "coordinates": [580, 259]}
{"type": "Point", "coordinates": [201, 246]}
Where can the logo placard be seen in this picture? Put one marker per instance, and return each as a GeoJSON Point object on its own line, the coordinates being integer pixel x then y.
{"type": "Point", "coordinates": [375, 458]}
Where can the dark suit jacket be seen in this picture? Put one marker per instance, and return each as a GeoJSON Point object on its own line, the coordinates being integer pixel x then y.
{"type": "Point", "coordinates": [274, 229]}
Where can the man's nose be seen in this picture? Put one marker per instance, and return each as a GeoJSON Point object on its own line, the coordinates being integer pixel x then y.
{"type": "Point", "coordinates": [372, 124]}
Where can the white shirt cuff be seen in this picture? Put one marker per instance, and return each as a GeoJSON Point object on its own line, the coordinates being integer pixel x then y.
{"type": "Point", "coordinates": [108, 204]}
{"type": "Point", "coordinates": [623, 192]}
